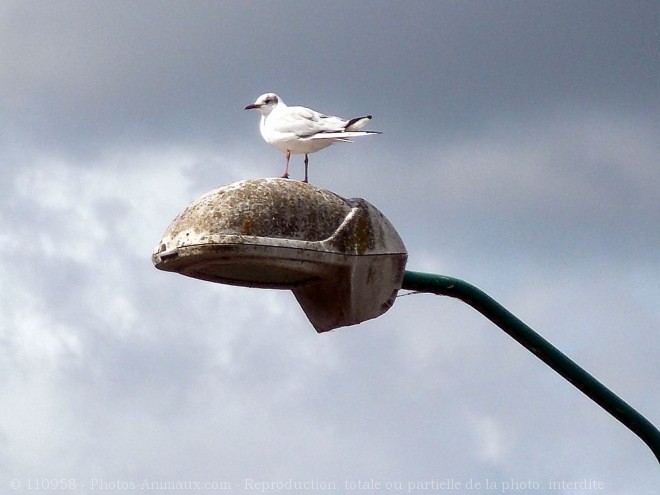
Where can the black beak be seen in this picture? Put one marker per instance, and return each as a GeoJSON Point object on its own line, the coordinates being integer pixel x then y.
{"type": "Point", "coordinates": [252, 105]}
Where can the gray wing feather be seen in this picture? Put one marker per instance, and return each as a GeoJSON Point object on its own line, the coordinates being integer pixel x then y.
{"type": "Point", "coordinates": [305, 122]}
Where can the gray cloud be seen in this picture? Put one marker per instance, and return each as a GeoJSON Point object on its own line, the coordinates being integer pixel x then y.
{"type": "Point", "coordinates": [80, 74]}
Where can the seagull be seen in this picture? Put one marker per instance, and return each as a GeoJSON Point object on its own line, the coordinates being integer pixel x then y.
{"type": "Point", "coordinates": [298, 130]}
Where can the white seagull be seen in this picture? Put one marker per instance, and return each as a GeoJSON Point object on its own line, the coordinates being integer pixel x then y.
{"type": "Point", "coordinates": [297, 130]}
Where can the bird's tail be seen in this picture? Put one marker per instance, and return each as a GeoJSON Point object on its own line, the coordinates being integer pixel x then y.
{"type": "Point", "coordinates": [342, 136]}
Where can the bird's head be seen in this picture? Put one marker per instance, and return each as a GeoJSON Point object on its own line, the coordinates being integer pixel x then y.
{"type": "Point", "coordinates": [265, 103]}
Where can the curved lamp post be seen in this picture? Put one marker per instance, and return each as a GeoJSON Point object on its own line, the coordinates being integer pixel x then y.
{"type": "Point", "coordinates": [344, 262]}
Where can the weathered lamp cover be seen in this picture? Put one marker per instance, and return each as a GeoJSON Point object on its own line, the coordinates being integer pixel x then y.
{"type": "Point", "coordinates": [342, 258]}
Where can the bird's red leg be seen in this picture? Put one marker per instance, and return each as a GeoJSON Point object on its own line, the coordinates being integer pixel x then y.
{"type": "Point", "coordinates": [285, 175]}
{"type": "Point", "coordinates": [306, 163]}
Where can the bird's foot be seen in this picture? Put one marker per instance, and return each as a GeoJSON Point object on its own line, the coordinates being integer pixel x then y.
{"type": "Point", "coordinates": [284, 176]}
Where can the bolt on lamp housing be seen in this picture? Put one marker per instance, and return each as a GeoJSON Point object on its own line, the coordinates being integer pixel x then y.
{"type": "Point", "coordinates": [342, 258]}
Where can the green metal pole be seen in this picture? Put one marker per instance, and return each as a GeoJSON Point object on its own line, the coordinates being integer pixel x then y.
{"type": "Point", "coordinates": [544, 350]}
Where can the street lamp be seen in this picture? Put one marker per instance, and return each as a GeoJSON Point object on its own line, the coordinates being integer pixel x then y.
{"type": "Point", "coordinates": [343, 261]}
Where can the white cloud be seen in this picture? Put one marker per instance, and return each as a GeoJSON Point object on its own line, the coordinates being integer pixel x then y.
{"type": "Point", "coordinates": [490, 439]}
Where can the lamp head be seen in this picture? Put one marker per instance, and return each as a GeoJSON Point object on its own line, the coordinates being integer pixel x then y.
{"type": "Point", "coordinates": [343, 260]}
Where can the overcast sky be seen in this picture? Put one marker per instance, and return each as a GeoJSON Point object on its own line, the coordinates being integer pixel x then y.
{"type": "Point", "coordinates": [519, 152]}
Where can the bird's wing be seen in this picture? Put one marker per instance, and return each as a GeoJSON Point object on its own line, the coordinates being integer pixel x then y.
{"type": "Point", "coordinates": [305, 122]}
{"type": "Point", "coordinates": [357, 123]}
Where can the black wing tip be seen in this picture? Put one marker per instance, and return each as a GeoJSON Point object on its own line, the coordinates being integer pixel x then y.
{"type": "Point", "coordinates": [357, 119]}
